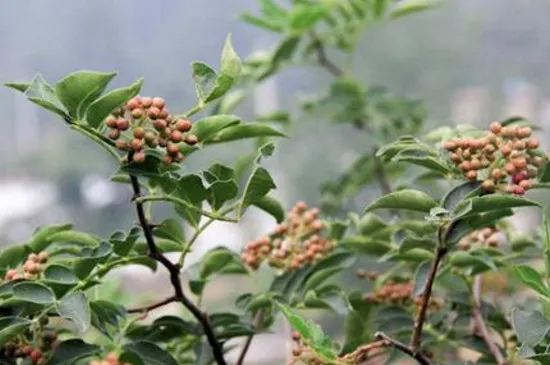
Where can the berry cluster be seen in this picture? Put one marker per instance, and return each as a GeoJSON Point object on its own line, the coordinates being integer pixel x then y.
{"type": "Point", "coordinates": [362, 273]}
{"type": "Point", "coordinates": [20, 348]}
{"type": "Point", "coordinates": [487, 236]}
{"type": "Point", "coordinates": [31, 269]}
{"type": "Point", "coordinates": [505, 159]}
{"type": "Point", "coordinates": [302, 353]}
{"type": "Point", "coordinates": [151, 126]}
{"type": "Point", "coordinates": [400, 293]}
{"type": "Point", "coordinates": [292, 244]}
{"type": "Point", "coordinates": [110, 359]}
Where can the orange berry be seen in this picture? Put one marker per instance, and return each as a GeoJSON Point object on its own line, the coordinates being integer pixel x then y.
{"type": "Point", "coordinates": [191, 139]}
{"type": "Point", "coordinates": [158, 102]}
{"type": "Point", "coordinates": [110, 121]}
{"type": "Point", "coordinates": [524, 132]}
{"type": "Point", "coordinates": [160, 124]}
{"type": "Point", "coordinates": [509, 168]}
{"type": "Point", "coordinates": [139, 132]}
{"type": "Point", "coordinates": [137, 144]}
{"type": "Point", "coordinates": [465, 165]}
{"type": "Point", "coordinates": [519, 162]}
{"type": "Point", "coordinates": [526, 184]}
{"type": "Point", "coordinates": [133, 104]}
{"type": "Point", "coordinates": [488, 185]}
{"type": "Point", "coordinates": [184, 125]}
{"type": "Point", "coordinates": [113, 134]}
{"type": "Point", "coordinates": [175, 136]}
{"type": "Point", "coordinates": [139, 157]}
{"type": "Point", "coordinates": [167, 159]}
{"type": "Point", "coordinates": [471, 175]}
{"type": "Point", "coordinates": [122, 124]}
{"type": "Point", "coordinates": [146, 102]}
{"type": "Point", "coordinates": [496, 127]}
{"type": "Point", "coordinates": [122, 144]}
{"type": "Point", "coordinates": [153, 112]}
{"type": "Point", "coordinates": [533, 143]}
{"type": "Point", "coordinates": [172, 149]}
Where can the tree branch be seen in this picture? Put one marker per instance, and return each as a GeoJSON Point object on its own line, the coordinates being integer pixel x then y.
{"type": "Point", "coordinates": [480, 326]}
{"type": "Point", "coordinates": [150, 307]}
{"type": "Point", "coordinates": [258, 317]}
{"type": "Point", "coordinates": [174, 270]}
{"type": "Point", "coordinates": [418, 356]}
{"type": "Point", "coordinates": [419, 321]}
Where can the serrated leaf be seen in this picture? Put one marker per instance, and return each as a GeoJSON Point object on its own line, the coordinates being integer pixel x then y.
{"type": "Point", "coordinates": [42, 93]}
{"type": "Point", "coordinates": [34, 293]}
{"type": "Point", "coordinates": [76, 308]}
{"type": "Point", "coordinates": [70, 351]}
{"type": "Point", "coordinates": [407, 199]}
{"type": "Point", "coordinates": [258, 185]}
{"type": "Point", "coordinates": [532, 279]}
{"type": "Point", "coordinates": [272, 206]}
{"type": "Point", "coordinates": [80, 88]}
{"type": "Point", "coordinates": [208, 127]}
{"type": "Point", "coordinates": [243, 131]}
{"type": "Point", "coordinates": [406, 7]}
{"type": "Point", "coordinates": [204, 79]}
{"type": "Point", "coordinates": [150, 353]}
{"type": "Point", "coordinates": [19, 86]}
{"type": "Point", "coordinates": [99, 109]}
{"type": "Point", "coordinates": [311, 333]}
{"type": "Point", "coordinates": [10, 327]}
{"type": "Point", "coordinates": [530, 327]}
{"type": "Point", "coordinates": [60, 274]}
{"type": "Point", "coordinates": [459, 193]}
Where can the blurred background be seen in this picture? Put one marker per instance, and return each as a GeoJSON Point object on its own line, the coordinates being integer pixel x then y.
{"type": "Point", "coordinates": [471, 61]}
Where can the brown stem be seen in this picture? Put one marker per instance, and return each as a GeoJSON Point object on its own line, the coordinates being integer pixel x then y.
{"type": "Point", "coordinates": [322, 58]}
{"type": "Point", "coordinates": [419, 321]}
{"type": "Point", "coordinates": [174, 270]}
{"type": "Point", "coordinates": [362, 351]}
{"type": "Point", "coordinates": [418, 356]}
{"type": "Point", "coordinates": [150, 307]}
{"type": "Point", "coordinates": [258, 317]}
{"type": "Point", "coordinates": [480, 326]}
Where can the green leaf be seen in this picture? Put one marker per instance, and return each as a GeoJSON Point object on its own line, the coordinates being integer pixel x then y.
{"type": "Point", "coordinates": [358, 328]}
{"type": "Point", "coordinates": [13, 255]}
{"type": "Point", "coordinates": [421, 158]}
{"type": "Point", "coordinates": [11, 327]}
{"type": "Point", "coordinates": [266, 23]}
{"type": "Point", "coordinates": [545, 241]}
{"type": "Point", "coordinates": [19, 86]}
{"type": "Point", "coordinates": [230, 71]}
{"type": "Point", "coordinates": [103, 106]}
{"type": "Point", "coordinates": [170, 229]}
{"type": "Point", "coordinates": [204, 79]}
{"type": "Point", "coordinates": [530, 327]}
{"type": "Point", "coordinates": [365, 245]}
{"type": "Point", "coordinates": [311, 333]}
{"type": "Point", "coordinates": [42, 93]}
{"type": "Point", "coordinates": [214, 261]}
{"type": "Point", "coordinates": [70, 351]}
{"type": "Point", "coordinates": [304, 16]}
{"type": "Point", "coordinates": [531, 278]}
{"type": "Point", "coordinates": [258, 185]}
{"type": "Point", "coordinates": [407, 199]}
{"type": "Point", "coordinates": [208, 127]}
{"type": "Point", "coordinates": [230, 101]}
{"type": "Point", "coordinates": [76, 308]}
{"type": "Point", "coordinates": [243, 131]}
{"type": "Point", "coordinates": [379, 7]}
{"type": "Point", "coordinates": [34, 293]}
{"type": "Point", "coordinates": [42, 237]}
{"type": "Point", "coordinates": [271, 206]}
{"type": "Point", "coordinates": [150, 353]}
{"type": "Point", "coordinates": [90, 259]}
{"type": "Point", "coordinates": [78, 89]}
{"type": "Point", "coordinates": [286, 50]}
{"type": "Point", "coordinates": [421, 277]}
{"type": "Point", "coordinates": [405, 7]}
{"type": "Point", "coordinates": [320, 276]}
{"type": "Point", "coordinates": [459, 193]}
{"type": "Point", "coordinates": [60, 274]}
{"type": "Point", "coordinates": [490, 202]}
{"type": "Point", "coordinates": [191, 189]}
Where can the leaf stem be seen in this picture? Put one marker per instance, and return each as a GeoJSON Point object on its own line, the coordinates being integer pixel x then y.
{"type": "Point", "coordinates": [186, 204]}
{"type": "Point", "coordinates": [174, 270]}
{"type": "Point", "coordinates": [258, 317]}
{"type": "Point", "coordinates": [418, 356]}
{"type": "Point", "coordinates": [480, 326]}
{"type": "Point", "coordinates": [147, 308]}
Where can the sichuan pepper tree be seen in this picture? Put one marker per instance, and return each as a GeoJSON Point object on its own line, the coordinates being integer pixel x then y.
{"type": "Point", "coordinates": [425, 306]}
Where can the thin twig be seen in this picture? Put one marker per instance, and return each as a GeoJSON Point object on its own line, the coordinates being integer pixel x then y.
{"type": "Point", "coordinates": [174, 270]}
{"type": "Point", "coordinates": [418, 356]}
{"type": "Point", "coordinates": [150, 307]}
{"type": "Point", "coordinates": [480, 326]}
{"type": "Point", "coordinates": [258, 317]}
{"type": "Point", "coordinates": [322, 58]}
{"type": "Point", "coordinates": [419, 321]}
{"type": "Point", "coordinates": [362, 351]}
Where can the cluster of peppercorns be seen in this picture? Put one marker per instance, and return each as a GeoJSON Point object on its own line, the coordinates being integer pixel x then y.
{"type": "Point", "coordinates": [20, 348]}
{"type": "Point", "coordinates": [32, 267]}
{"type": "Point", "coordinates": [400, 293]}
{"type": "Point", "coordinates": [301, 352]}
{"type": "Point", "coordinates": [110, 359]}
{"type": "Point", "coordinates": [362, 274]}
{"type": "Point", "coordinates": [487, 236]}
{"type": "Point", "coordinates": [505, 159]}
{"type": "Point", "coordinates": [151, 126]}
{"type": "Point", "coordinates": [292, 244]}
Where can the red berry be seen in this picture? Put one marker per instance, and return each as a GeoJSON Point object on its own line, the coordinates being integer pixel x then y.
{"type": "Point", "coordinates": [133, 104]}
{"type": "Point", "coordinates": [167, 159]}
{"type": "Point", "coordinates": [137, 144]}
{"type": "Point", "coordinates": [146, 102]}
{"type": "Point", "coordinates": [137, 113]}
{"type": "Point", "coordinates": [159, 102]}
{"type": "Point", "coordinates": [183, 125]}
{"type": "Point", "coordinates": [111, 121]}
{"type": "Point", "coordinates": [533, 143]}
{"type": "Point", "coordinates": [191, 139]}
{"type": "Point", "coordinates": [518, 190]}
{"type": "Point", "coordinates": [113, 134]}
{"type": "Point", "coordinates": [160, 124]}
{"type": "Point", "coordinates": [122, 144]}
{"type": "Point", "coordinates": [153, 112]}
{"type": "Point", "coordinates": [172, 149]}
{"type": "Point", "coordinates": [35, 355]}
{"type": "Point", "coordinates": [122, 124]}
{"type": "Point", "coordinates": [139, 157]}
{"type": "Point", "coordinates": [139, 132]}
{"type": "Point", "coordinates": [175, 136]}
{"type": "Point", "coordinates": [496, 127]}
